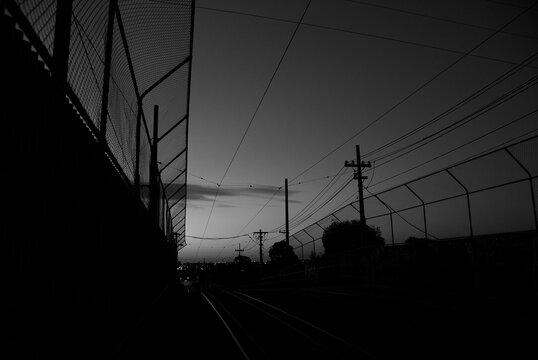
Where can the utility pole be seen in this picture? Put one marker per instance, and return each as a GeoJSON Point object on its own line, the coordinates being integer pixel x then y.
{"type": "Point", "coordinates": [287, 214]}
{"type": "Point", "coordinates": [238, 250]}
{"type": "Point", "coordinates": [154, 170]}
{"type": "Point", "coordinates": [260, 238]}
{"type": "Point", "coordinates": [358, 176]}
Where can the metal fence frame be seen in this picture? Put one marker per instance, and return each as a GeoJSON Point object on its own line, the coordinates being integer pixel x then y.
{"type": "Point", "coordinates": [50, 25]}
{"type": "Point", "coordinates": [466, 193]}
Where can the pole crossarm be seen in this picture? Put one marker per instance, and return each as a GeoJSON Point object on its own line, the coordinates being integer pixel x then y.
{"type": "Point", "coordinates": [357, 175]}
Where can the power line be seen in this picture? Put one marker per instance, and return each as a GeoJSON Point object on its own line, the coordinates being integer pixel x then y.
{"type": "Point", "coordinates": [461, 122]}
{"type": "Point", "coordinates": [257, 109]}
{"type": "Point", "coordinates": [450, 21]}
{"type": "Point", "coordinates": [465, 144]}
{"type": "Point", "coordinates": [216, 238]}
{"type": "Point", "coordinates": [363, 34]}
{"type": "Point", "coordinates": [439, 133]}
{"type": "Point", "coordinates": [324, 203]}
{"type": "Point", "coordinates": [254, 185]}
{"type": "Point", "coordinates": [341, 206]}
{"type": "Point", "coordinates": [316, 198]}
{"type": "Point", "coordinates": [297, 218]}
{"type": "Point", "coordinates": [458, 105]}
{"type": "Point", "coordinates": [417, 90]}
{"type": "Point", "coordinates": [407, 221]}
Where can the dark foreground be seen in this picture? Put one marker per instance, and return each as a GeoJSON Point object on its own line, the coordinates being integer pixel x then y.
{"type": "Point", "coordinates": [333, 322]}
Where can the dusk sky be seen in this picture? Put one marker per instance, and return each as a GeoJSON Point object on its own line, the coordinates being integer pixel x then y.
{"type": "Point", "coordinates": [348, 64]}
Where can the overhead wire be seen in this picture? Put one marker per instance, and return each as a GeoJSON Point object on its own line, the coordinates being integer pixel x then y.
{"type": "Point", "coordinates": [363, 34]}
{"type": "Point", "coordinates": [417, 90]}
{"type": "Point", "coordinates": [461, 146]}
{"type": "Point", "coordinates": [487, 107]}
{"type": "Point", "coordinates": [298, 218]}
{"type": "Point", "coordinates": [316, 198]}
{"type": "Point", "coordinates": [346, 201]}
{"type": "Point", "coordinates": [461, 122]}
{"type": "Point", "coordinates": [511, 72]}
{"type": "Point", "coordinates": [406, 220]}
{"type": "Point", "coordinates": [410, 95]}
{"type": "Point", "coordinates": [257, 109]}
{"type": "Point", "coordinates": [437, 18]}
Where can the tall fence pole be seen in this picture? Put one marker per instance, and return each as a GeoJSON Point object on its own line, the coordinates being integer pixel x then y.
{"type": "Point", "coordinates": [106, 73]}
{"type": "Point", "coordinates": [62, 38]}
{"type": "Point", "coordinates": [471, 249]}
{"type": "Point", "coordinates": [287, 214]}
{"type": "Point", "coordinates": [468, 202]}
{"type": "Point", "coordinates": [154, 170]}
{"type": "Point", "coordinates": [390, 214]}
{"type": "Point", "coordinates": [137, 149]}
{"type": "Point", "coordinates": [535, 239]}
{"type": "Point", "coordinates": [423, 210]}
{"type": "Point", "coordinates": [302, 247]}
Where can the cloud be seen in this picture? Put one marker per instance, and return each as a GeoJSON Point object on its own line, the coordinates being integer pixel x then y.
{"type": "Point", "coordinates": [196, 192]}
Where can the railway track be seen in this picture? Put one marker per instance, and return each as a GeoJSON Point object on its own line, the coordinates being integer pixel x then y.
{"type": "Point", "coordinates": [262, 330]}
{"type": "Point", "coordinates": [319, 324]}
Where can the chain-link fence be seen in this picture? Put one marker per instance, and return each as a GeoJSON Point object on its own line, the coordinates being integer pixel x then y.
{"type": "Point", "coordinates": [122, 58]}
{"type": "Point", "coordinates": [492, 193]}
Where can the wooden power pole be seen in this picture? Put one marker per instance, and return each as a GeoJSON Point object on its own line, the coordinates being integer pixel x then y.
{"type": "Point", "coordinates": [287, 215]}
{"type": "Point", "coordinates": [260, 235]}
{"type": "Point", "coordinates": [358, 176]}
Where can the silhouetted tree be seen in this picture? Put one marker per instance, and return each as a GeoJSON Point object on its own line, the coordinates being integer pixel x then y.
{"type": "Point", "coordinates": [241, 259]}
{"type": "Point", "coordinates": [282, 253]}
{"type": "Point", "coordinates": [416, 242]}
{"type": "Point", "coordinates": [340, 237]}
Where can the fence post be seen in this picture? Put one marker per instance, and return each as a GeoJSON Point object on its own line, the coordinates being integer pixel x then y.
{"type": "Point", "coordinates": [106, 72]}
{"type": "Point", "coordinates": [472, 247]}
{"type": "Point", "coordinates": [423, 210]}
{"type": "Point", "coordinates": [390, 214]}
{"type": "Point", "coordinates": [137, 149]}
{"type": "Point", "coordinates": [302, 247]}
{"type": "Point", "coordinates": [535, 239]}
{"type": "Point", "coordinates": [62, 38]}
{"type": "Point", "coordinates": [154, 171]}
{"type": "Point", "coordinates": [468, 201]}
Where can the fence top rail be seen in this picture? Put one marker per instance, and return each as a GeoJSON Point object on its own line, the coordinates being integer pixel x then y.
{"type": "Point", "coordinates": [445, 169]}
{"type": "Point", "coordinates": [489, 153]}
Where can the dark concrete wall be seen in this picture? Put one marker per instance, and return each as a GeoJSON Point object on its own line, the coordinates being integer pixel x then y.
{"type": "Point", "coordinates": [80, 260]}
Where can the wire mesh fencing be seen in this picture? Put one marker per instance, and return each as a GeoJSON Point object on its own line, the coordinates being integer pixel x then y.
{"type": "Point", "coordinates": [493, 193]}
{"type": "Point", "coordinates": [124, 57]}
